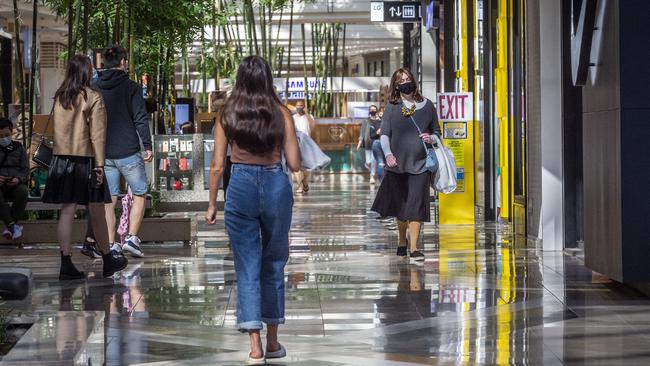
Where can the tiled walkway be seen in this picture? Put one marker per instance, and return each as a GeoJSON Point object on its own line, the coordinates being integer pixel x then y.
{"type": "Point", "coordinates": [477, 299]}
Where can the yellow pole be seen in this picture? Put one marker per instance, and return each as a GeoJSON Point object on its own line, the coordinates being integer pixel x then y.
{"type": "Point", "coordinates": [459, 207]}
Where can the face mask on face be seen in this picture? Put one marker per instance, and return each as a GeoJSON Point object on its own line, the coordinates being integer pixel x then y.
{"type": "Point", "coordinates": [300, 110]}
{"type": "Point", "coordinates": [373, 113]}
{"type": "Point", "coordinates": [407, 88]}
{"type": "Point", "coordinates": [5, 141]}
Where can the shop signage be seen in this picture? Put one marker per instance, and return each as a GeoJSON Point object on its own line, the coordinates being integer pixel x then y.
{"type": "Point", "coordinates": [395, 11]}
{"type": "Point", "coordinates": [455, 107]}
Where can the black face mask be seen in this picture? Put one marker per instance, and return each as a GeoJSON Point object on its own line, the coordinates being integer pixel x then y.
{"type": "Point", "coordinates": [373, 113]}
{"type": "Point", "coordinates": [407, 88]}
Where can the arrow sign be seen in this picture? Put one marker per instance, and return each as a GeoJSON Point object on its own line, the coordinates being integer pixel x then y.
{"type": "Point", "coordinates": [395, 11]}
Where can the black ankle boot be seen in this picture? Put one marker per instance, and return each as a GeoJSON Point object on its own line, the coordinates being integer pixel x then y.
{"type": "Point", "coordinates": [68, 271]}
{"type": "Point", "coordinates": [113, 264]}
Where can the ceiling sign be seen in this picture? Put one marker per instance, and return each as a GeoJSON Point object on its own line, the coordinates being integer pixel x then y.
{"type": "Point", "coordinates": [395, 11]}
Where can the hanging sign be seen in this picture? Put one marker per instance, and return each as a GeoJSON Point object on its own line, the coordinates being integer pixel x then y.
{"type": "Point", "coordinates": [395, 11]}
{"type": "Point", "coordinates": [455, 107]}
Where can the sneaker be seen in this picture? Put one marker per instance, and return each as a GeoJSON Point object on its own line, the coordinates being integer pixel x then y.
{"type": "Point", "coordinates": [372, 180]}
{"type": "Point", "coordinates": [132, 245]}
{"type": "Point", "coordinates": [18, 231]}
{"type": "Point", "coordinates": [401, 251]}
{"type": "Point", "coordinates": [116, 250]}
{"type": "Point", "coordinates": [113, 263]}
{"type": "Point", "coordinates": [13, 232]}
{"type": "Point", "coordinates": [417, 256]}
{"type": "Point", "coordinates": [89, 249]}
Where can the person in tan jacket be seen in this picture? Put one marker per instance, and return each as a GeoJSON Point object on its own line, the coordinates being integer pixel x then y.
{"type": "Point", "coordinates": [76, 174]}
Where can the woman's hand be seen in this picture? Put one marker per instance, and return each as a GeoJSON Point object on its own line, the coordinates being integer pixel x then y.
{"type": "Point", "coordinates": [211, 215]}
{"type": "Point", "coordinates": [391, 161]}
{"type": "Point", "coordinates": [426, 138]}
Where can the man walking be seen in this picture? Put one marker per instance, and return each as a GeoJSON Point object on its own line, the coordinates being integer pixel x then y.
{"type": "Point", "coordinates": [304, 123]}
{"type": "Point", "coordinates": [127, 125]}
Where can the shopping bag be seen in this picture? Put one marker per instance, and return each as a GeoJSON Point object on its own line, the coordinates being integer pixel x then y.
{"type": "Point", "coordinates": [312, 157]}
{"type": "Point", "coordinates": [445, 178]}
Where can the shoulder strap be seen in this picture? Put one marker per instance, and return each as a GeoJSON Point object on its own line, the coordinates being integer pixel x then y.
{"type": "Point", "coordinates": [49, 118]}
{"type": "Point", "coordinates": [419, 132]}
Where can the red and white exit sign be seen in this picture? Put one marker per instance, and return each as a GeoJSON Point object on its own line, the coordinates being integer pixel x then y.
{"type": "Point", "coordinates": [457, 107]}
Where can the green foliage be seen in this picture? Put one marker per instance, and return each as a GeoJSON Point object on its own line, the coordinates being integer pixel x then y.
{"type": "Point", "coordinates": [160, 34]}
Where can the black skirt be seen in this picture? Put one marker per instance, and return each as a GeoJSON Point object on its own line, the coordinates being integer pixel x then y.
{"type": "Point", "coordinates": [404, 196]}
{"type": "Point", "coordinates": [68, 181]}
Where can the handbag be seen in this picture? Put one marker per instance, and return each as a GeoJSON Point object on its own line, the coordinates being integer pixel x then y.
{"type": "Point", "coordinates": [445, 179]}
{"type": "Point", "coordinates": [44, 150]}
{"type": "Point", "coordinates": [431, 162]}
{"type": "Point", "coordinates": [311, 156]}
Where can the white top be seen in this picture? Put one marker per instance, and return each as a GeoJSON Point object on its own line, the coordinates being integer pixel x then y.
{"type": "Point", "coordinates": [302, 123]}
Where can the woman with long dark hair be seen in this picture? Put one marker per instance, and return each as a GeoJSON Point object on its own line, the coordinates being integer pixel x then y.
{"type": "Point", "coordinates": [258, 208]}
{"type": "Point", "coordinates": [76, 175]}
{"type": "Point", "coordinates": [408, 120]}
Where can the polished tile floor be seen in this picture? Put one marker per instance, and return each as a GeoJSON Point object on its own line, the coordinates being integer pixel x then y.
{"type": "Point", "coordinates": [477, 299]}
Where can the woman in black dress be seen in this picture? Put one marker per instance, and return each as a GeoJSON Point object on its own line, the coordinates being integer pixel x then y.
{"type": "Point", "coordinates": [404, 192]}
{"type": "Point", "coordinates": [76, 175]}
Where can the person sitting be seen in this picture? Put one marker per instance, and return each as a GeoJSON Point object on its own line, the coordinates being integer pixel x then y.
{"type": "Point", "coordinates": [14, 176]}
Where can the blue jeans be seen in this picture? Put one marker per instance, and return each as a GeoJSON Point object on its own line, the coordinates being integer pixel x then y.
{"type": "Point", "coordinates": [258, 217]}
{"type": "Point", "coordinates": [132, 168]}
{"type": "Point", "coordinates": [378, 154]}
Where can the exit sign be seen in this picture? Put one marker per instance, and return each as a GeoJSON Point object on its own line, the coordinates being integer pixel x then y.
{"type": "Point", "coordinates": [395, 11]}
{"type": "Point", "coordinates": [455, 107]}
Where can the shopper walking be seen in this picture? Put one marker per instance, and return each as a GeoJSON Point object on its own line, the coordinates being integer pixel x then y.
{"type": "Point", "coordinates": [76, 174]}
{"type": "Point", "coordinates": [305, 123]}
{"type": "Point", "coordinates": [369, 129]}
{"type": "Point", "coordinates": [404, 192]}
{"type": "Point", "coordinates": [14, 177]}
{"type": "Point", "coordinates": [259, 205]}
{"type": "Point", "coordinates": [128, 125]}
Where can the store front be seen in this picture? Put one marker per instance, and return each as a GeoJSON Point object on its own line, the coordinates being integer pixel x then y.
{"type": "Point", "coordinates": [482, 52]}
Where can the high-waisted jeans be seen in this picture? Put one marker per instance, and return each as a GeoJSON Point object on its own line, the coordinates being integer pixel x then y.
{"type": "Point", "coordinates": [258, 217]}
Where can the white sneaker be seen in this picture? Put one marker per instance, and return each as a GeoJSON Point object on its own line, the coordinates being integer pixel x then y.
{"type": "Point", "coordinates": [18, 232]}
{"type": "Point", "coordinates": [13, 232]}
{"type": "Point", "coordinates": [132, 245]}
{"type": "Point", "coordinates": [372, 180]}
{"type": "Point", "coordinates": [116, 249]}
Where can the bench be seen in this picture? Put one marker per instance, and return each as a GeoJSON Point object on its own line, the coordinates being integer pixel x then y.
{"type": "Point", "coordinates": [153, 229]}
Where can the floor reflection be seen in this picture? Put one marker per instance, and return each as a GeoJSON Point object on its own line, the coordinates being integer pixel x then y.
{"type": "Point", "coordinates": [479, 298]}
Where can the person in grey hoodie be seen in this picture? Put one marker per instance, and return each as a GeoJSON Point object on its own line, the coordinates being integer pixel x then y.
{"type": "Point", "coordinates": [127, 128]}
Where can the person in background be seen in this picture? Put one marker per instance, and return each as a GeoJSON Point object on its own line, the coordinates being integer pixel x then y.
{"type": "Point", "coordinates": [305, 123]}
{"type": "Point", "coordinates": [377, 153]}
{"type": "Point", "coordinates": [404, 192]}
{"type": "Point", "coordinates": [258, 211]}
{"type": "Point", "coordinates": [369, 129]}
{"type": "Point", "coordinates": [76, 174]}
{"type": "Point", "coordinates": [14, 177]}
{"type": "Point", "coordinates": [127, 125]}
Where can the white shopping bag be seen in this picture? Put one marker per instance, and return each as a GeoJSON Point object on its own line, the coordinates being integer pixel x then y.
{"type": "Point", "coordinates": [445, 179]}
{"type": "Point", "coordinates": [312, 157]}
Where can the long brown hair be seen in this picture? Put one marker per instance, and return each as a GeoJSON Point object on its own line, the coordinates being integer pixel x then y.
{"type": "Point", "coordinates": [77, 77]}
{"type": "Point", "coordinates": [395, 96]}
{"type": "Point", "coordinates": [253, 115]}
